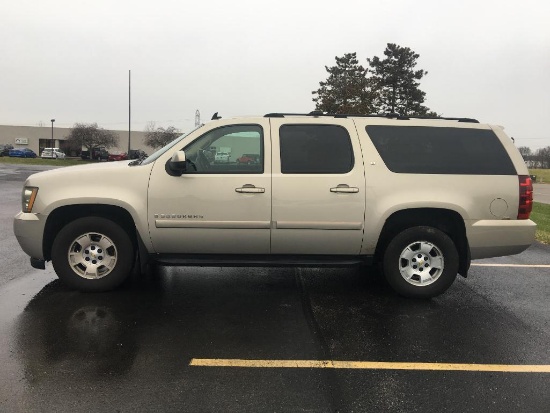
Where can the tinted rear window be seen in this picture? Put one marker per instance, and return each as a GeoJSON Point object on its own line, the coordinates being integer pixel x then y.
{"type": "Point", "coordinates": [315, 149]}
{"type": "Point", "coordinates": [436, 150]}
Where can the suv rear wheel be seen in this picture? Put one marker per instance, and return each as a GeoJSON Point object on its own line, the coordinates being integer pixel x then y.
{"type": "Point", "coordinates": [92, 254]}
{"type": "Point", "coordinates": [421, 262]}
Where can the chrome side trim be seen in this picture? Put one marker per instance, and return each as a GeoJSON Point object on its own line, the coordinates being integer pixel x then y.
{"type": "Point", "coordinates": [318, 225]}
{"type": "Point", "coordinates": [182, 223]}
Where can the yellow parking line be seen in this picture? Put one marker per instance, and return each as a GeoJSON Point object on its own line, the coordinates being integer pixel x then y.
{"type": "Point", "coordinates": [369, 365]}
{"type": "Point", "coordinates": [513, 265]}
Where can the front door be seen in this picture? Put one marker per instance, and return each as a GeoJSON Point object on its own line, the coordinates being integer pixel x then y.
{"type": "Point", "coordinates": [221, 205]}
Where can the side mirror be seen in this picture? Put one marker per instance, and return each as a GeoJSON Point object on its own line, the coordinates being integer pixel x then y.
{"type": "Point", "coordinates": [177, 165]}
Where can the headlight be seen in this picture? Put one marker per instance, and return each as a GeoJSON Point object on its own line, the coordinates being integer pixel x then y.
{"type": "Point", "coordinates": [28, 197]}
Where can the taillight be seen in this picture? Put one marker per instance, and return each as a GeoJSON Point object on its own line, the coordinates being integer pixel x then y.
{"type": "Point", "coordinates": [525, 197]}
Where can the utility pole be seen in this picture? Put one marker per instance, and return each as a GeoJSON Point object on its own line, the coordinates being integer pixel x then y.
{"type": "Point", "coordinates": [53, 120]}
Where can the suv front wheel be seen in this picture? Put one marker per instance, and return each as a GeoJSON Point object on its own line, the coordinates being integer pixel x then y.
{"type": "Point", "coordinates": [421, 262]}
{"type": "Point", "coordinates": [92, 254]}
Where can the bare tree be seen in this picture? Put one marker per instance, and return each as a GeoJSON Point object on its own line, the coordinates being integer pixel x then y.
{"type": "Point", "coordinates": [151, 126]}
{"type": "Point", "coordinates": [91, 136]}
{"type": "Point", "coordinates": [525, 151]}
{"type": "Point", "coordinates": [542, 157]}
{"type": "Point", "coordinates": [159, 137]}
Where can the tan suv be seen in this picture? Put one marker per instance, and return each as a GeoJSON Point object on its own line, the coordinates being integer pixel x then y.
{"type": "Point", "coordinates": [421, 197]}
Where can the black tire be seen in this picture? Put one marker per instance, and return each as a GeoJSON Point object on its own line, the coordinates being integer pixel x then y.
{"type": "Point", "coordinates": [421, 262]}
{"type": "Point", "coordinates": [111, 265]}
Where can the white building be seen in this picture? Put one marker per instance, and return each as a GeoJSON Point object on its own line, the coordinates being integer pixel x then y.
{"type": "Point", "coordinates": [39, 137]}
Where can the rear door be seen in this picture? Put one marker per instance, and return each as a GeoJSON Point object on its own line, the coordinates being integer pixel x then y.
{"type": "Point", "coordinates": [318, 187]}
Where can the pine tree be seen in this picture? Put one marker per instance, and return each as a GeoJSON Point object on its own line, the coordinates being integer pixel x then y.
{"type": "Point", "coordinates": [395, 82]}
{"type": "Point", "coordinates": [346, 90]}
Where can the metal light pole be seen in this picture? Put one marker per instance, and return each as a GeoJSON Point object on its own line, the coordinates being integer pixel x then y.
{"type": "Point", "coordinates": [53, 120]}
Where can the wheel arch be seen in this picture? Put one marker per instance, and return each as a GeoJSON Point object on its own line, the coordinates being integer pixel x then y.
{"type": "Point", "coordinates": [446, 220]}
{"type": "Point", "coordinates": [61, 216]}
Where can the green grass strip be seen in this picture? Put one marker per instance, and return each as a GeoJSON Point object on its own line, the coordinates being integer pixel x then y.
{"type": "Point", "coordinates": [40, 161]}
{"type": "Point", "coordinates": [543, 175]}
{"type": "Point", "coordinates": [541, 215]}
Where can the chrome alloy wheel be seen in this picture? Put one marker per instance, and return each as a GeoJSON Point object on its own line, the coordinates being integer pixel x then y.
{"type": "Point", "coordinates": [421, 263]}
{"type": "Point", "coordinates": [92, 256]}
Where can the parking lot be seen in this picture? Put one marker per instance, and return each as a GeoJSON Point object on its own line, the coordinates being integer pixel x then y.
{"type": "Point", "coordinates": [271, 339]}
{"type": "Point", "coordinates": [542, 193]}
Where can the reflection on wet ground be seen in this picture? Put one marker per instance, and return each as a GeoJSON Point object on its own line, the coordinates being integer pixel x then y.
{"type": "Point", "coordinates": [74, 332]}
{"type": "Point", "coordinates": [130, 349]}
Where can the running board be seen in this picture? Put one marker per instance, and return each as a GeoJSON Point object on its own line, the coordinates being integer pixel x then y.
{"type": "Point", "coordinates": [217, 260]}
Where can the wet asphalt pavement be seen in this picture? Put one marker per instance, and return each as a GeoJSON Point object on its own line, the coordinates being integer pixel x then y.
{"type": "Point", "coordinates": [131, 349]}
{"type": "Point", "coordinates": [541, 193]}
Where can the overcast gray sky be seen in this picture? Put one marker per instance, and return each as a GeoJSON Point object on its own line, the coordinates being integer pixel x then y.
{"type": "Point", "coordinates": [69, 59]}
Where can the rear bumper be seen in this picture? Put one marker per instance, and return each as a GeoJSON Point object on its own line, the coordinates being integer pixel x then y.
{"type": "Point", "coordinates": [29, 231]}
{"type": "Point", "coordinates": [496, 238]}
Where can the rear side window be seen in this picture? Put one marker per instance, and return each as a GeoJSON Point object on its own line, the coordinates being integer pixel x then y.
{"type": "Point", "coordinates": [436, 150]}
{"type": "Point", "coordinates": [315, 149]}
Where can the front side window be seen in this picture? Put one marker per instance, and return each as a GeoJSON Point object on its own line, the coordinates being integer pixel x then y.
{"type": "Point", "coordinates": [223, 150]}
{"type": "Point", "coordinates": [315, 149]}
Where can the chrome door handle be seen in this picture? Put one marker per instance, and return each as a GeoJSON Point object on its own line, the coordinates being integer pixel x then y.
{"type": "Point", "coordinates": [250, 189]}
{"type": "Point", "coordinates": [345, 189]}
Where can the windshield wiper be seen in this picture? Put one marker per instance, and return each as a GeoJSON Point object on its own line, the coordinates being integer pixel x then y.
{"type": "Point", "coordinates": [136, 162]}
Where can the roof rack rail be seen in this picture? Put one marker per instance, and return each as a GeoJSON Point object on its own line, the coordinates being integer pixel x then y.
{"type": "Point", "coordinates": [467, 120]}
{"type": "Point", "coordinates": [318, 113]}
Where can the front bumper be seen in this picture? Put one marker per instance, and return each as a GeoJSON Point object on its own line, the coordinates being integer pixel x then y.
{"type": "Point", "coordinates": [29, 231]}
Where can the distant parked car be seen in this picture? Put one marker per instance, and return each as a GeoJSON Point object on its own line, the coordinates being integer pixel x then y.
{"type": "Point", "coordinates": [101, 155]}
{"type": "Point", "coordinates": [249, 158]}
{"type": "Point", "coordinates": [136, 154]}
{"type": "Point", "coordinates": [22, 153]}
{"type": "Point", "coordinates": [53, 153]}
{"type": "Point", "coordinates": [5, 150]}
{"type": "Point", "coordinates": [222, 157]}
{"type": "Point", "coordinates": [117, 156]}
{"type": "Point", "coordinates": [98, 154]}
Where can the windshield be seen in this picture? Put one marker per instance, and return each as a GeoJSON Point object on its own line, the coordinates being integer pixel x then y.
{"type": "Point", "coordinates": [154, 156]}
